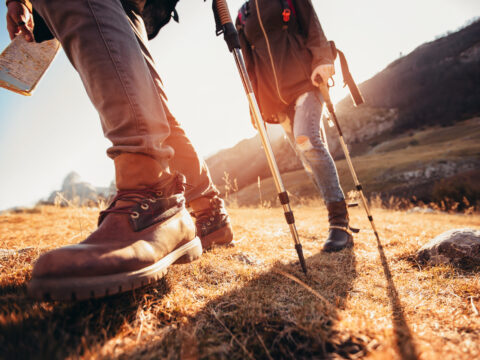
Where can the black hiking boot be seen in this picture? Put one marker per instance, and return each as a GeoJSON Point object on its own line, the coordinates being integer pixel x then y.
{"type": "Point", "coordinates": [212, 222]}
{"type": "Point", "coordinates": [340, 234]}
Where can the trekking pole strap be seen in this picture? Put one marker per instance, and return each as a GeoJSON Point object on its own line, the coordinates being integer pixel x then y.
{"type": "Point", "coordinates": [347, 76]}
{"type": "Point", "coordinates": [224, 24]}
{"type": "Point", "coordinates": [348, 80]}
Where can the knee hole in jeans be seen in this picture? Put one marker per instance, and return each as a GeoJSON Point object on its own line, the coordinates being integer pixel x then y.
{"type": "Point", "coordinates": [303, 143]}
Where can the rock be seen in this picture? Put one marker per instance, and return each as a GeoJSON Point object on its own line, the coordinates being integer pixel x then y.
{"type": "Point", "coordinates": [22, 210]}
{"type": "Point", "coordinates": [5, 253]}
{"type": "Point", "coordinates": [77, 192]}
{"type": "Point", "coordinates": [435, 170]}
{"type": "Point", "coordinates": [418, 209]}
{"type": "Point", "coordinates": [70, 180]}
{"type": "Point", "coordinates": [459, 247]}
{"type": "Point", "coordinates": [247, 259]}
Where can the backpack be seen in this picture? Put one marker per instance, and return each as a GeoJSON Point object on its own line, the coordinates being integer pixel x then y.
{"type": "Point", "coordinates": [157, 13]}
{"type": "Point", "coordinates": [288, 10]}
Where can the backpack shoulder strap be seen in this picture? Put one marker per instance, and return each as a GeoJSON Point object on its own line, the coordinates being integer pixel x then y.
{"type": "Point", "coordinates": [243, 14]}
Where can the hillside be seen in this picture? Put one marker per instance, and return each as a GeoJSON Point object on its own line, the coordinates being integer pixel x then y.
{"type": "Point", "coordinates": [433, 164]}
{"type": "Point", "coordinates": [241, 302]}
{"type": "Point", "coordinates": [246, 160]}
{"type": "Point", "coordinates": [435, 85]}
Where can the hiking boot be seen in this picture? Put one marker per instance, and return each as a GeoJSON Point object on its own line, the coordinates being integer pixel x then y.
{"type": "Point", "coordinates": [212, 221]}
{"type": "Point", "coordinates": [340, 234]}
{"type": "Point", "coordinates": [145, 229]}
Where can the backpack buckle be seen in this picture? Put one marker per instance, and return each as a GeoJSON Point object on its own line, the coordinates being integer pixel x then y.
{"type": "Point", "coordinates": [286, 15]}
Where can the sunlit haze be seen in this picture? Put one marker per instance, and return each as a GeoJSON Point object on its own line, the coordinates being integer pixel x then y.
{"type": "Point", "coordinates": [57, 130]}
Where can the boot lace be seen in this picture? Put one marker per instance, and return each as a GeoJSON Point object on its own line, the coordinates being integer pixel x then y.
{"type": "Point", "coordinates": [205, 217]}
{"type": "Point", "coordinates": [140, 196]}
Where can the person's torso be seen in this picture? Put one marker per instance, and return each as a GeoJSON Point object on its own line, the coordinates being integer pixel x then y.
{"type": "Point", "coordinates": [281, 60]}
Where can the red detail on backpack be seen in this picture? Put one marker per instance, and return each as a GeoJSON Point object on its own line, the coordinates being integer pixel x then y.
{"type": "Point", "coordinates": [240, 17]}
{"type": "Point", "coordinates": [286, 15]}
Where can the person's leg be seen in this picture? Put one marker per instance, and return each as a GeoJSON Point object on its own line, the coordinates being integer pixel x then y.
{"type": "Point", "coordinates": [208, 209]}
{"type": "Point", "coordinates": [316, 157]}
{"type": "Point", "coordinates": [309, 143]}
{"type": "Point", "coordinates": [211, 217]}
{"type": "Point", "coordinates": [146, 228]}
{"type": "Point", "coordinates": [98, 39]}
{"type": "Point", "coordinates": [287, 124]}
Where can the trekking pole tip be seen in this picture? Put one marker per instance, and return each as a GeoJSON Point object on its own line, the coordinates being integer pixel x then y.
{"type": "Point", "coordinates": [299, 249]}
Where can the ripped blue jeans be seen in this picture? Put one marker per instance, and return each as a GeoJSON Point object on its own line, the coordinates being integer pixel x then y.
{"type": "Point", "coordinates": [304, 135]}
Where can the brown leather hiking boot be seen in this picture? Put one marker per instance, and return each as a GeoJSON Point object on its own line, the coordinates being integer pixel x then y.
{"type": "Point", "coordinates": [212, 221]}
{"type": "Point", "coordinates": [340, 234]}
{"type": "Point", "coordinates": [144, 230]}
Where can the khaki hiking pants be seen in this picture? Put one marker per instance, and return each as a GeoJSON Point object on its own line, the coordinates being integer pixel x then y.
{"type": "Point", "coordinates": [107, 44]}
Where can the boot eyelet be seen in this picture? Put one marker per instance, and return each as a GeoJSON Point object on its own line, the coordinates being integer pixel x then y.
{"type": "Point", "coordinates": [159, 193]}
{"type": "Point", "coordinates": [152, 200]}
{"type": "Point", "coordinates": [144, 206]}
{"type": "Point", "coordinates": [208, 223]}
{"type": "Point", "coordinates": [135, 215]}
{"type": "Point", "coordinates": [212, 218]}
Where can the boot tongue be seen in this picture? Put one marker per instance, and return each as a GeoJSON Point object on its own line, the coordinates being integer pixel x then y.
{"type": "Point", "coordinates": [167, 186]}
{"type": "Point", "coordinates": [201, 204]}
{"type": "Point", "coordinates": [170, 184]}
{"type": "Point", "coordinates": [204, 208]}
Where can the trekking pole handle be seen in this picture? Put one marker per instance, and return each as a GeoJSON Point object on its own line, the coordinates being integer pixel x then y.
{"type": "Point", "coordinates": [224, 24]}
{"type": "Point", "coordinates": [323, 87]}
{"type": "Point", "coordinates": [223, 12]}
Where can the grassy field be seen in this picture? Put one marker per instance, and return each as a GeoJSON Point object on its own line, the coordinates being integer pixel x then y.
{"type": "Point", "coordinates": [243, 302]}
{"type": "Point", "coordinates": [380, 167]}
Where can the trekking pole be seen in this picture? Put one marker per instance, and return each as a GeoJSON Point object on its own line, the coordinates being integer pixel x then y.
{"type": "Point", "coordinates": [225, 25]}
{"type": "Point", "coordinates": [357, 99]}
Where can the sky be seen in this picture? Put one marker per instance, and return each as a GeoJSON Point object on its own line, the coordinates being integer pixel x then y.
{"type": "Point", "coordinates": [57, 130]}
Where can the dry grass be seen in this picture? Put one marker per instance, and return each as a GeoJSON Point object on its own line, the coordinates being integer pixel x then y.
{"type": "Point", "coordinates": [239, 303]}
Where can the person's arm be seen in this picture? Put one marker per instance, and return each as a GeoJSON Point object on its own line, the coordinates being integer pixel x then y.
{"type": "Point", "coordinates": [20, 19]}
{"type": "Point", "coordinates": [315, 41]}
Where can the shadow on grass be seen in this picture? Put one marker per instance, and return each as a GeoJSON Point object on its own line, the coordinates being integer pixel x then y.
{"type": "Point", "coordinates": [270, 317]}
{"type": "Point", "coordinates": [403, 336]}
{"type": "Point", "coordinates": [40, 330]}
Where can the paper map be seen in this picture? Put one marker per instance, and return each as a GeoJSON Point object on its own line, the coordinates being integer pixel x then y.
{"type": "Point", "coordinates": [22, 64]}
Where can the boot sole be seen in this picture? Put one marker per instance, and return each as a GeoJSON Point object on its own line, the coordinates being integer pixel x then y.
{"type": "Point", "coordinates": [83, 288]}
{"type": "Point", "coordinates": [330, 249]}
{"type": "Point", "coordinates": [222, 236]}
